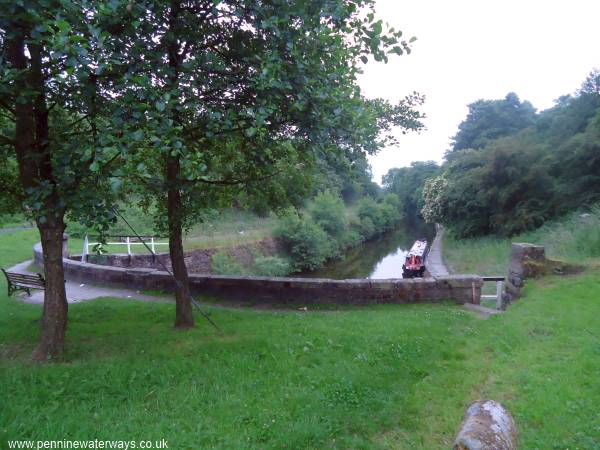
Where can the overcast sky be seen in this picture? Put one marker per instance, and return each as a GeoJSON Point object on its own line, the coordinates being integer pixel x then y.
{"type": "Point", "coordinates": [472, 49]}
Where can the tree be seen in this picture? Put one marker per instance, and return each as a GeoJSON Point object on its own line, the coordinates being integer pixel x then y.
{"type": "Point", "coordinates": [491, 119]}
{"type": "Point", "coordinates": [272, 83]}
{"type": "Point", "coordinates": [517, 182]}
{"type": "Point", "coordinates": [407, 183]}
{"type": "Point", "coordinates": [591, 85]}
{"type": "Point", "coordinates": [504, 188]}
{"type": "Point", "coordinates": [52, 99]}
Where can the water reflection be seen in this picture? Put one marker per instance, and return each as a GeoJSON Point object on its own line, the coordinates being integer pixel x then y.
{"type": "Point", "coordinates": [378, 259]}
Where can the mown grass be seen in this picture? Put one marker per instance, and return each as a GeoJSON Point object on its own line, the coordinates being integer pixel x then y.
{"type": "Point", "coordinates": [574, 238]}
{"type": "Point", "coordinates": [378, 377]}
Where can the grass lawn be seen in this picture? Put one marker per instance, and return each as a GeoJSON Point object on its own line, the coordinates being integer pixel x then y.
{"type": "Point", "coordinates": [377, 377]}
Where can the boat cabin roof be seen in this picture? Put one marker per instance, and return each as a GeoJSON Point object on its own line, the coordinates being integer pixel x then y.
{"type": "Point", "coordinates": [418, 248]}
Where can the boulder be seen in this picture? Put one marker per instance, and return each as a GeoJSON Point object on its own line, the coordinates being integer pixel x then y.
{"type": "Point", "coordinates": [487, 426]}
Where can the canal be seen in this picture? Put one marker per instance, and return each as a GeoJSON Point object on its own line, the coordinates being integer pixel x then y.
{"type": "Point", "coordinates": [378, 258]}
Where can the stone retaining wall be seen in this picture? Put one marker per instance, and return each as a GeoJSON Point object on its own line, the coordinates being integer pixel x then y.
{"type": "Point", "coordinates": [197, 261]}
{"type": "Point", "coordinates": [278, 291]}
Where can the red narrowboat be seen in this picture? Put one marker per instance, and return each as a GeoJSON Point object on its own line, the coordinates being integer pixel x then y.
{"type": "Point", "coordinates": [414, 264]}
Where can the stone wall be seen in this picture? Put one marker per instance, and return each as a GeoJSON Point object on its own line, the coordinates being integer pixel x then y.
{"type": "Point", "coordinates": [197, 261]}
{"type": "Point", "coordinates": [281, 291]}
{"type": "Point", "coordinates": [529, 261]}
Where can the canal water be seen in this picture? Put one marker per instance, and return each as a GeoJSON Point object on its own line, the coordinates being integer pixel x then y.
{"type": "Point", "coordinates": [378, 258]}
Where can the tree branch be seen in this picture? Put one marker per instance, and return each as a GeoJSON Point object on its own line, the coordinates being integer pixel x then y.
{"type": "Point", "coordinates": [9, 108]}
{"type": "Point", "coordinates": [233, 181]}
{"type": "Point", "coordinates": [6, 140]}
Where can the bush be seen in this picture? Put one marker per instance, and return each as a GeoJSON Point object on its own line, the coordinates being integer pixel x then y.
{"type": "Point", "coordinates": [272, 266]}
{"type": "Point", "coordinates": [389, 215]}
{"type": "Point", "coordinates": [366, 228]}
{"type": "Point", "coordinates": [224, 264]}
{"type": "Point", "coordinates": [329, 212]}
{"type": "Point", "coordinates": [368, 208]}
{"type": "Point", "coordinates": [349, 238]}
{"type": "Point", "coordinates": [307, 243]}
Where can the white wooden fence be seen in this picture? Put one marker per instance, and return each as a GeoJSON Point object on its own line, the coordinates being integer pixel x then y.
{"type": "Point", "coordinates": [127, 241]}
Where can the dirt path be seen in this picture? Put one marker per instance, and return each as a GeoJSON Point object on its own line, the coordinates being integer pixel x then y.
{"type": "Point", "coordinates": [81, 292]}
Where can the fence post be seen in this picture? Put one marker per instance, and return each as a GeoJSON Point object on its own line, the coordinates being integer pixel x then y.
{"type": "Point", "coordinates": [152, 244]}
{"type": "Point", "coordinates": [85, 249]}
{"type": "Point", "coordinates": [499, 289]}
{"type": "Point", "coordinates": [128, 246]}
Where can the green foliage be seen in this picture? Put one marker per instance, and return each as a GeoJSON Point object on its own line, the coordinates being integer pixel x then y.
{"type": "Point", "coordinates": [407, 184]}
{"type": "Point", "coordinates": [515, 183]}
{"type": "Point", "coordinates": [307, 243]}
{"type": "Point", "coordinates": [65, 164]}
{"type": "Point", "coordinates": [368, 208]}
{"type": "Point", "coordinates": [224, 264]}
{"type": "Point", "coordinates": [375, 218]}
{"type": "Point", "coordinates": [291, 93]}
{"type": "Point", "coordinates": [329, 212]}
{"type": "Point", "coordinates": [331, 227]}
{"type": "Point", "coordinates": [491, 119]}
{"type": "Point", "coordinates": [351, 237]}
{"type": "Point", "coordinates": [10, 187]}
{"type": "Point", "coordinates": [574, 238]}
{"type": "Point", "coordinates": [366, 228]}
{"type": "Point", "coordinates": [502, 189]}
{"type": "Point", "coordinates": [435, 200]}
{"type": "Point", "coordinates": [13, 220]}
{"type": "Point", "coordinates": [271, 266]}
{"type": "Point", "coordinates": [140, 219]}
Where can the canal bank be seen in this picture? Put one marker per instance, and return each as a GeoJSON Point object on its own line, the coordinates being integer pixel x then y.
{"type": "Point", "coordinates": [377, 259]}
{"type": "Point", "coordinates": [276, 291]}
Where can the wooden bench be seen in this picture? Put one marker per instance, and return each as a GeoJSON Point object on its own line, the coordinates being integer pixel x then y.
{"type": "Point", "coordinates": [23, 282]}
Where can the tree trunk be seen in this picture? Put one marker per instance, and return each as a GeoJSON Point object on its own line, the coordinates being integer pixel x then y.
{"type": "Point", "coordinates": [54, 320]}
{"type": "Point", "coordinates": [35, 169]}
{"type": "Point", "coordinates": [183, 303]}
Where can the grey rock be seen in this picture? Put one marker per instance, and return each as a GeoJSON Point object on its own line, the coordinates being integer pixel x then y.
{"type": "Point", "coordinates": [487, 426]}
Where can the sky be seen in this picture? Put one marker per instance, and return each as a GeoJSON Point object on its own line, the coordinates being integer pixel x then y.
{"type": "Point", "coordinates": [479, 49]}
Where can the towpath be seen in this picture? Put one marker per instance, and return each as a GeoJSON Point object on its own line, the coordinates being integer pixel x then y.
{"type": "Point", "coordinates": [79, 292]}
{"type": "Point", "coordinates": [435, 262]}
{"type": "Point", "coordinates": [13, 229]}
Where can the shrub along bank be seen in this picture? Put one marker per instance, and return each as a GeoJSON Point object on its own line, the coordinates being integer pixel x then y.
{"type": "Point", "coordinates": [329, 227]}
{"type": "Point", "coordinates": [321, 231]}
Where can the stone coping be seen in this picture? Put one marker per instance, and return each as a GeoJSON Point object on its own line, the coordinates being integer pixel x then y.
{"type": "Point", "coordinates": [282, 290]}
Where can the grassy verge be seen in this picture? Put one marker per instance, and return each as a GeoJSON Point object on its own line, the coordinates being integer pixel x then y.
{"type": "Point", "coordinates": [378, 377]}
{"type": "Point", "coordinates": [228, 228]}
{"type": "Point", "coordinates": [575, 238]}
{"type": "Point", "coordinates": [13, 221]}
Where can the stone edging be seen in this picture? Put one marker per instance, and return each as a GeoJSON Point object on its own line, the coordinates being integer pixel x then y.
{"type": "Point", "coordinates": [281, 291]}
